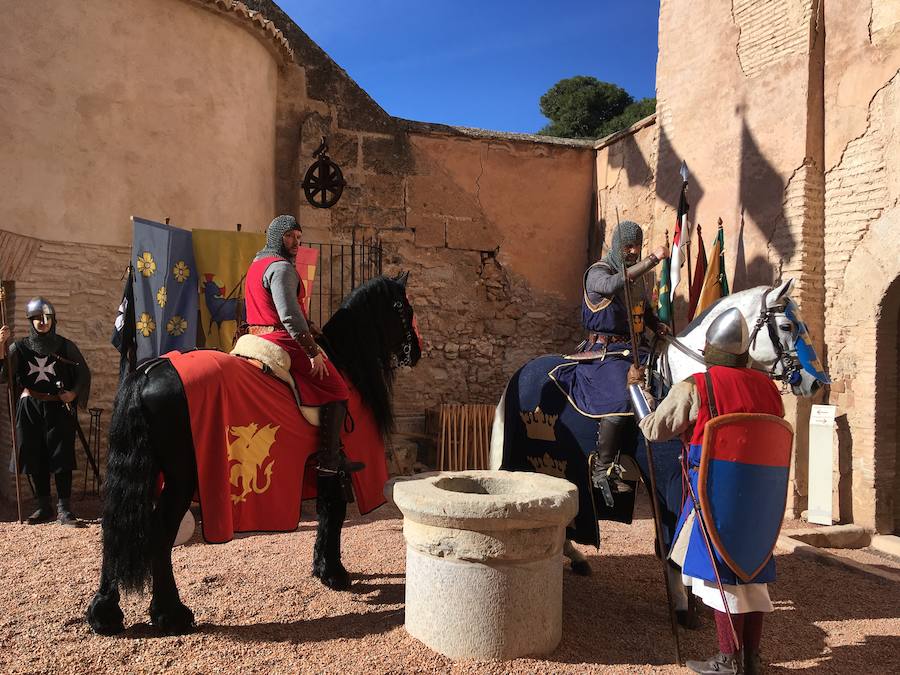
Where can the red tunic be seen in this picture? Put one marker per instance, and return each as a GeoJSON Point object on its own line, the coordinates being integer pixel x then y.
{"type": "Point", "coordinates": [261, 311]}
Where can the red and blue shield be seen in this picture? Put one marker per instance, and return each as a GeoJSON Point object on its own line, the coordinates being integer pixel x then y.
{"type": "Point", "coordinates": [742, 487]}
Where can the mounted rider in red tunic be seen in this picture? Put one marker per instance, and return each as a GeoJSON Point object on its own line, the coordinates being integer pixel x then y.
{"type": "Point", "coordinates": [275, 312]}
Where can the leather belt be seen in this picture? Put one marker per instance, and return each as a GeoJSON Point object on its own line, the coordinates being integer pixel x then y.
{"type": "Point", "coordinates": [603, 339]}
{"type": "Point", "coordinates": [49, 398]}
{"type": "Point", "coordinates": [262, 330]}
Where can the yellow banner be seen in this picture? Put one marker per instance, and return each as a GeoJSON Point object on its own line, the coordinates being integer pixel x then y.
{"type": "Point", "coordinates": [222, 259]}
{"type": "Point", "coordinates": [712, 287]}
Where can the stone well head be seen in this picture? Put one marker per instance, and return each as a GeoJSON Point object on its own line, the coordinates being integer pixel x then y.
{"type": "Point", "coordinates": [484, 560]}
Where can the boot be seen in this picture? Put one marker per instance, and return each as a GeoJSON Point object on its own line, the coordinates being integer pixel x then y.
{"type": "Point", "coordinates": [609, 437]}
{"type": "Point", "coordinates": [720, 663]}
{"type": "Point", "coordinates": [331, 460]}
{"type": "Point", "coordinates": [66, 517]}
{"type": "Point", "coordinates": [44, 513]}
{"type": "Point", "coordinates": [753, 664]}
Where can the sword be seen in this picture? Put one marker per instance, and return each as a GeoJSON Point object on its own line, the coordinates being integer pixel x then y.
{"type": "Point", "coordinates": [651, 470]}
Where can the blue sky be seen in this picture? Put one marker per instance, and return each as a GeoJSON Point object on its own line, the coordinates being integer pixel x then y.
{"type": "Point", "coordinates": [482, 64]}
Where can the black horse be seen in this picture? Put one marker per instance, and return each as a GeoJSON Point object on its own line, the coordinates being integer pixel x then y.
{"type": "Point", "coordinates": [370, 335]}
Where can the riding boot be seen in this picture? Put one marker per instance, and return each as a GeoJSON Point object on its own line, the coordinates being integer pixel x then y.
{"type": "Point", "coordinates": [44, 513]}
{"type": "Point", "coordinates": [65, 515]}
{"type": "Point", "coordinates": [609, 436]}
{"type": "Point", "coordinates": [720, 663]}
{"type": "Point", "coordinates": [331, 460]}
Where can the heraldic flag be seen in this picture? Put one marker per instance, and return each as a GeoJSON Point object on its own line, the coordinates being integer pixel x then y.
{"type": "Point", "coordinates": [699, 276]}
{"type": "Point", "coordinates": [222, 262]}
{"type": "Point", "coordinates": [715, 283]}
{"type": "Point", "coordinates": [305, 262]}
{"type": "Point", "coordinates": [664, 307]}
{"type": "Point", "coordinates": [679, 241]}
{"type": "Point", "coordinates": [165, 289]}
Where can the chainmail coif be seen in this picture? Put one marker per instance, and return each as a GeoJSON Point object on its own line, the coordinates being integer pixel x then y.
{"type": "Point", "coordinates": [274, 234]}
{"type": "Point", "coordinates": [627, 233]}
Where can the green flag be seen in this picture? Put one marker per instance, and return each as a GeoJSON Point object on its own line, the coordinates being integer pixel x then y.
{"type": "Point", "coordinates": [664, 308]}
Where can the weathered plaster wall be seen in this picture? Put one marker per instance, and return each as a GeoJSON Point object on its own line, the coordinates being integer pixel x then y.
{"type": "Point", "coordinates": [200, 113]}
{"type": "Point", "coordinates": [744, 111]}
{"type": "Point", "coordinates": [111, 108]}
{"type": "Point", "coordinates": [475, 216]}
{"type": "Point", "coordinates": [625, 180]}
{"type": "Point", "coordinates": [862, 193]}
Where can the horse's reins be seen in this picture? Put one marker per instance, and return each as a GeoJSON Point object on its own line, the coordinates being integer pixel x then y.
{"type": "Point", "coordinates": [783, 357]}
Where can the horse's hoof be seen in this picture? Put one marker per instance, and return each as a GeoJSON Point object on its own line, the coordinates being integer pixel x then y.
{"type": "Point", "coordinates": [177, 620]}
{"type": "Point", "coordinates": [336, 579]}
{"type": "Point", "coordinates": [105, 616]}
{"type": "Point", "coordinates": [582, 568]}
{"type": "Point", "coordinates": [687, 619]}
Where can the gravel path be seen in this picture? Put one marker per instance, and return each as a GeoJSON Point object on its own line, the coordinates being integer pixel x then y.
{"type": "Point", "coordinates": [259, 611]}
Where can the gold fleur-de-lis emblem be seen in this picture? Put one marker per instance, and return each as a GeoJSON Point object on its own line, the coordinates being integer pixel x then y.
{"type": "Point", "coordinates": [181, 271]}
{"type": "Point", "coordinates": [176, 326]}
{"type": "Point", "coordinates": [146, 264]}
{"type": "Point", "coordinates": [145, 324]}
{"type": "Point", "coordinates": [161, 296]}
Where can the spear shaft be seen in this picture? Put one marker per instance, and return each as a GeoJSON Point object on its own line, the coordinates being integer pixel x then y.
{"type": "Point", "coordinates": [11, 402]}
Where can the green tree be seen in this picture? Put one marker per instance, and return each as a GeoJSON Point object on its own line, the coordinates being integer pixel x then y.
{"type": "Point", "coordinates": [584, 107]}
{"type": "Point", "coordinates": [634, 112]}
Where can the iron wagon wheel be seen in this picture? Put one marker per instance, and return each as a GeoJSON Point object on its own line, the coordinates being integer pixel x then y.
{"type": "Point", "coordinates": [323, 183]}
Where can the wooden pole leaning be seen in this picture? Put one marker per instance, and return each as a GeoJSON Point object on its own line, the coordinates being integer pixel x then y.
{"type": "Point", "coordinates": [651, 470]}
{"type": "Point", "coordinates": [11, 404]}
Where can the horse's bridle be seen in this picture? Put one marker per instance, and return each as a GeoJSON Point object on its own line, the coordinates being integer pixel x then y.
{"type": "Point", "coordinates": [786, 358]}
{"type": "Point", "coordinates": [406, 349]}
{"type": "Point", "coordinates": [789, 373]}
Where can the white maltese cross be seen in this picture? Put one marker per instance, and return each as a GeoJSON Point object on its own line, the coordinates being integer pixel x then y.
{"type": "Point", "coordinates": [42, 368]}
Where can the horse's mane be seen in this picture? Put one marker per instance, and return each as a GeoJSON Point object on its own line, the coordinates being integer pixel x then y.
{"type": "Point", "coordinates": [362, 337]}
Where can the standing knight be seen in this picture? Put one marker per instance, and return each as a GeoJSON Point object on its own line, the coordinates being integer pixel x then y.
{"type": "Point", "coordinates": [51, 378]}
{"type": "Point", "coordinates": [728, 386]}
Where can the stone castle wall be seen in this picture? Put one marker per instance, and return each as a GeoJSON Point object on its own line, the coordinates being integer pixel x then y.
{"type": "Point", "coordinates": [791, 138]}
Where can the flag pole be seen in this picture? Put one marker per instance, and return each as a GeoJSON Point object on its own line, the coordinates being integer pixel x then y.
{"type": "Point", "coordinates": [11, 405]}
{"type": "Point", "coordinates": [654, 505]}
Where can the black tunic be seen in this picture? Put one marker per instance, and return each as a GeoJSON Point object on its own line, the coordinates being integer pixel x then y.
{"type": "Point", "coordinates": [45, 430]}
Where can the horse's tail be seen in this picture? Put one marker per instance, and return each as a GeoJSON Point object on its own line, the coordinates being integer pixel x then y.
{"type": "Point", "coordinates": [129, 489]}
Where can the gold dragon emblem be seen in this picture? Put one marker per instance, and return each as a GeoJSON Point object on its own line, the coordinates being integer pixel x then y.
{"type": "Point", "coordinates": [249, 451]}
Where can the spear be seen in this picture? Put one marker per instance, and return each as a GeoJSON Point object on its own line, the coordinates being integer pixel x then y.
{"type": "Point", "coordinates": [651, 469]}
{"type": "Point", "coordinates": [11, 402]}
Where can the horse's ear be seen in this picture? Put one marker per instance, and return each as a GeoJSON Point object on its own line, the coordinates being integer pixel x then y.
{"type": "Point", "coordinates": [402, 278]}
{"type": "Point", "coordinates": [777, 295]}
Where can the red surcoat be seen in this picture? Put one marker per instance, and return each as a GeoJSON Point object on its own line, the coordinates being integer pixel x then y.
{"type": "Point", "coordinates": [261, 311]}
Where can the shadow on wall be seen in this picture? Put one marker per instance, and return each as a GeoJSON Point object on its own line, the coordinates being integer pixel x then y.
{"type": "Point", "coordinates": [761, 197]}
{"type": "Point", "coordinates": [624, 154]}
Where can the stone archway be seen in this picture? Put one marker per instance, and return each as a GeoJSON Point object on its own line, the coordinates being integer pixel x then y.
{"type": "Point", "coordinates": [862, 322]}
{"type": "Point", "coordinates": [887, 412]}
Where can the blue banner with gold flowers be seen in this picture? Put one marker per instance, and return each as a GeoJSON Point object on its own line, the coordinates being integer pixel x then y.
{"type": "Point", "coordinates": [165, 289]}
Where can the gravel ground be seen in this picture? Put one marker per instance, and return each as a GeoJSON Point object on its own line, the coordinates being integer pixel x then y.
{"type": "Point", "coordinates": [259, 611]}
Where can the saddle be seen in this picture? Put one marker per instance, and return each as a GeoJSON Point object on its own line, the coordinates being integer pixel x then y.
{"type": "Point", "coordinates": [275, 361]}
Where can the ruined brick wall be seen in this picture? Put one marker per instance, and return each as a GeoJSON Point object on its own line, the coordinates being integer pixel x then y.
{"type": "Point", "coordinates": [745, 111]}
{"type": "Point", "coordinates": [862, 193]}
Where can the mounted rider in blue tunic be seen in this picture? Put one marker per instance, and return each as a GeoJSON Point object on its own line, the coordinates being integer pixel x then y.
{"type": "Point", "coordinates": [595, 379]}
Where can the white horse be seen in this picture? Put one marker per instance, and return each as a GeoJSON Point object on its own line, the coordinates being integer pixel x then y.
{"type": "Point", "coordinates": [779, 346]}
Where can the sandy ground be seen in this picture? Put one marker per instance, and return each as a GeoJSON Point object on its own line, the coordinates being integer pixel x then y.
{"type": "Point", "coordinates": [259, 611]}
